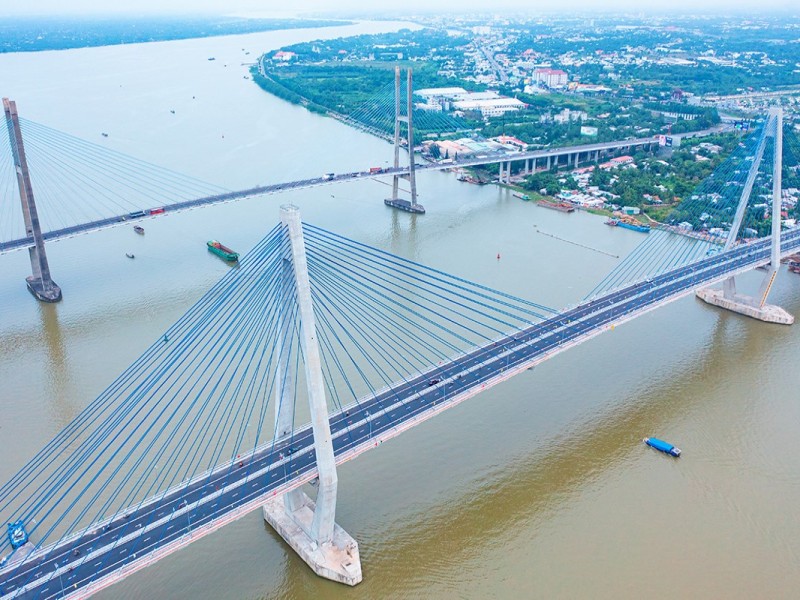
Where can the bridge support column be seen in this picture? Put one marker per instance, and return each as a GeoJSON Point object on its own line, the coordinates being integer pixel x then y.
{"type": "Point", "coordinates": [727, 297]}
{"type": "Point", "coordinates": [39, 283]}
{"type": "Point", "coordinates": [396, 202]}
{"type": "Point", "coordinates": [309, 527]}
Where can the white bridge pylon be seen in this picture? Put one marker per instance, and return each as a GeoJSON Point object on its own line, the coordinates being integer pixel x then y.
{"type": "Point", "coordinates": [728, 298]}
{"type": "Point", "coordinates": [308, 526]}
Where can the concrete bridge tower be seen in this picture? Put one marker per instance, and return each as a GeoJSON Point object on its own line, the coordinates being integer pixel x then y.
{"type": "Point", "coordinates": [409, 206]}
{"type": "Point", "coordinates": [39, 283]}
{"type": "Point", "coordinates": [309, 527]}
{"type": "Point", "coordinates": [728, 297]}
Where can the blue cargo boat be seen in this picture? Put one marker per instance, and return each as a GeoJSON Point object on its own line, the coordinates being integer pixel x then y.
{"type": "Point", "coordinates": [662, 446]}
{"type": "Point", "coordinates": [628, 223]}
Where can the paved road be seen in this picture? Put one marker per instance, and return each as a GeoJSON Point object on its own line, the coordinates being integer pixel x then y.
{"type": "Point", "coordinates": [261, 190]}
{"type": "Point", "coordinates": [173, 516]}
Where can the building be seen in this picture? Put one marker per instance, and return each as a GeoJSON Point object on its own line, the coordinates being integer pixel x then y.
{"type": "Point", "coordinates": [509, 140]}
{"type": "Point", "coordinates": [284, 56]}
{"type": "Point", "coordinates": [565, 116]}
{"type": "Point", "coordinates": [550, 77]}
{"type": "Point", "coordinates": [490, 107]}
{"type": "Point", "coordinates": [438, 95]}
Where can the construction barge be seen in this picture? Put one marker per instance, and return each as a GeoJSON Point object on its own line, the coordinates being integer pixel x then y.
{"type": "Point", "coordinates": [564, 207]}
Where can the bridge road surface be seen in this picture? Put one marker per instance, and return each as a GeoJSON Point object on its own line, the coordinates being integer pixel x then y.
{"type": "Point", "coordinates": [88, 561]}
{"type": "Point", "coordinates": [485, 159]}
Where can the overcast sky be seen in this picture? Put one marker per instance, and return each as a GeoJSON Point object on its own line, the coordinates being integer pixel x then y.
{"type": "Point", "coordinates": [75, 7]}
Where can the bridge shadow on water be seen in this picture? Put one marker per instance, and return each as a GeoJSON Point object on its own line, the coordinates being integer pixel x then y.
{"type": "Point", "coordinates": [405, 558]}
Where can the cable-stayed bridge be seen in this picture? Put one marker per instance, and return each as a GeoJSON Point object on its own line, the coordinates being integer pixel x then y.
{"type": "Point", "coordinates": [206, 425]}
{"type": "Point", "coordinates": [212, 421]}
{"type": "Point", "coordinates": [83, 187]}
{"type": "Point", "coordinates": [84, 559]}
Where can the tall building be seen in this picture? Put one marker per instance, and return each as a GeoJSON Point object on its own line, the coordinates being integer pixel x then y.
{"type": "Point", "coordinates": [550, 77]}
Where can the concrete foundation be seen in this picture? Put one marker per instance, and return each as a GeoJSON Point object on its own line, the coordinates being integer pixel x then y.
{"type": "Point", "coordinates": [405, 205]}
{"type": "Point", "coordinates": [337, 560]}
{"type": "Point", "coordinates": [744, 305]}
{"type": "Point", "coordinates": [50, 293]}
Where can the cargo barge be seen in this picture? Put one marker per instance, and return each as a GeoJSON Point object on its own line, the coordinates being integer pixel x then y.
{"type": "Point", "coordinates": [662, 446]}
{"type": "Point", "coordinates": [628, 223]}
{"type": "Point", "coordinates": [564, 207]}
{"type": "Point", "coordinates": [223, 252]}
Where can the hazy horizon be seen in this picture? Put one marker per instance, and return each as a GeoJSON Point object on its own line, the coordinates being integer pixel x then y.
{"type": "Point", "coordinates": [149, 8]}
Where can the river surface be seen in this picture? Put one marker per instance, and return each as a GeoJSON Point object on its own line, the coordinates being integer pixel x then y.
{"type": "Point", "coordinates": [537, 488]}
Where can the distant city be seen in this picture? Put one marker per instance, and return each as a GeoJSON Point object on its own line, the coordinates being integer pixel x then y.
{"type": "Point", "coordinates": [497, 85]}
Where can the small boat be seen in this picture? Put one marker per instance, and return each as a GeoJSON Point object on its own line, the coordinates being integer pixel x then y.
{"type": "Point", "coordinates": [222, 251]}
{"type": "Point", "coordinates": [129, 255]}
{"type": "Point", "coordinates": [662, 446]}
{"type": "Point", "coordinates": [104, 134]}
{"type": "Point", "coordinates": [172, 111]}
{"type": "Point", "coordinates": [17, 535]}
{"type": "Point", "coordinates": [138, 229]}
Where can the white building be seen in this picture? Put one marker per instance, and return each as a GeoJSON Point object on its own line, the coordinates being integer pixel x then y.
{"type": "Point", "coordinates": [550, 77]}
{"type": "Point", "coordinates": [490, 107]}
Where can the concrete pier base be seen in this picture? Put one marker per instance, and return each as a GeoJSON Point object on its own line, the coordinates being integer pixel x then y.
{"type": "Point", "coordinates": [744, 305]}
{"type": "Point", "coordinates": [405, 205]}
{"type": "Point", "coordinates": [51, 293]}
{"type": "Point", "coordinates": [337, 560]}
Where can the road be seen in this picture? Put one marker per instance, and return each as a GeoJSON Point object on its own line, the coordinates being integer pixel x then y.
{"type": "Point", "coordinates": [165, 523]}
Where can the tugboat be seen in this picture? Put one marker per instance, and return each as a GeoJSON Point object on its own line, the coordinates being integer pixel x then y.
{"type": "Point", "coordinates": [662, 446]}
{"type": "Point", "coordinates": [17, 536]}
{"type": "Point", "coordinates": [223, 252]}
{"type": "Point", "coordinates": [138, 229]}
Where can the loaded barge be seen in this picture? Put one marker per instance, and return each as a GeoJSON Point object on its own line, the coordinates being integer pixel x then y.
{"type": "Point", "coordinates": [564, 207]}
{"type": "Point", "coordinates": [223, 252]}
{"type": "Point", "coordinates": [629, 223]}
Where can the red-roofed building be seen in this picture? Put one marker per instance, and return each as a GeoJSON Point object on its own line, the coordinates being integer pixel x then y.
{"type": "Point", "coordinates": [510, 140]}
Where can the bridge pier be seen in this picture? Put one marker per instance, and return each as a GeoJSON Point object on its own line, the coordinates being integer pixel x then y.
{"type": "Point", "coordinates": [395, 202]}
{"type": "Point", "coordinates": [308, 526]}
{"type": "Point", "coordinates": [727, 297]}
{"type": "Point", "coordinates": [40, 284]}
